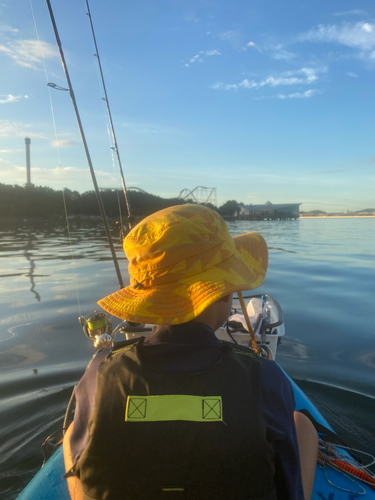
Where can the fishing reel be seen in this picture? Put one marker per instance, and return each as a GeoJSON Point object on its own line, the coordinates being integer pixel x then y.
{"type": "Point", "coordinates": [98, 328]}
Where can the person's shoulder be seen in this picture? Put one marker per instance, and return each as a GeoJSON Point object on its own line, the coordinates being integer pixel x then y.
{"type": "Point", "coordinates": [275, 381]}
{"type": "Point", "coordinates": [270, 366]}
{"type": "Point", "coordinates": [272, 371]}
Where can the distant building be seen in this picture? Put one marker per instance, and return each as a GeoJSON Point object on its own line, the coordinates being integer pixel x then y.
{"type": "Point", "coordinates": [269, 211]}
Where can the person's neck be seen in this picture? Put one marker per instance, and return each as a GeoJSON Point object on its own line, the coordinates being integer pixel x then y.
{"type": "Point", "coordinates": [216, 314]}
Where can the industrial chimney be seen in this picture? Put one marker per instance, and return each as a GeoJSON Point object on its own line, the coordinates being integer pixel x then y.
{"type": "Point", "coordinates": [28, 171]}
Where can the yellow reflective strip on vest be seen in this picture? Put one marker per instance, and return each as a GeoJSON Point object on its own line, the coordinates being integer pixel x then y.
{"type": "Point", "coordinates": [174, 407]}
{"type": "Point", "coordinates": [244, 353]}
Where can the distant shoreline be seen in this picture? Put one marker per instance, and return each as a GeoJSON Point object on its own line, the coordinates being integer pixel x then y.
{"type": "Point", "coordinates": [337, 216]}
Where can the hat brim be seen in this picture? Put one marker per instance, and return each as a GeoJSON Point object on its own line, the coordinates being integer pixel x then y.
{"type": "Point", "coordinates": [181, 301]}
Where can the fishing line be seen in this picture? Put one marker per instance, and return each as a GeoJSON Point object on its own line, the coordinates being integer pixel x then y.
{"type": "Point", "coordinates": [105, 99]}
{"type": "Point", "coordinates": [59, 159]}
{"type": "Point", "coordinates": [110, 139]}
{"type": "Point", "coordinates": [71, 251]}
{"type": "Point", "coordinates": [105, 113]}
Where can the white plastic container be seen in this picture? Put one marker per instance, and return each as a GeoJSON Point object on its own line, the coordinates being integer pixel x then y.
{"type": "Point", "coordinates": [274, 328]}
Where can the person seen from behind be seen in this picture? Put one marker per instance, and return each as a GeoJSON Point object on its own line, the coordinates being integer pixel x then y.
{"type": "Point", "coordinates": [181, 414]}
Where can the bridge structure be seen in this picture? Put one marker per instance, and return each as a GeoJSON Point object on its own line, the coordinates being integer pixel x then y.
{"type": "Point", "coordinates": [200, 194]}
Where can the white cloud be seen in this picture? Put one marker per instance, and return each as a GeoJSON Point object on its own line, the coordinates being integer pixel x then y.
{"type": "Point", "coordinates": [282, 54]}
{"type": "Point", "coordinates": [359, 36]}
{"type": "Point", "coordinates": [303, 76]}
{"type": "Point", "coordinates": [194, 58]}
{"type": "Point", "coordinates": [149, 128]}
{"type": "Point", "coordinates": [245, 84]}
{"type": "Point", "coordinates": [235, 38]}
{"type": "Point", "coordinates": [300, 95]}
{"type": "Point", "coordinates": [57, 177]}
{"type": "Point", "coordinates": [249, 44]}
{"type": "Point", "coordinates": [9, 98]}
{"type": "Point", "coordinates": [28, 53]}
{"type": "Point", "coordinates": [14, 129]}
{"type": "Point", "coordinates": [191, 18]}
{"type": "Point", "coordinates": [309, 75]}
{"type": "Point", "coordinates": [319, 172]}
{"type": "Point", "coordinates": [231, 36]}
{"type": "Point", "coordinates": [352, 74]}
{"type": "Point", "coordinates": [200, 56]}
{"type": "Point", "coordinates": [5, 28]}
{"type": "Point", "coordinates": [62, 143]}
{"type": "Point", "coordinates": [275, 51]}
{"type": "Point", "coordinates": [350, 12]}
{"type": "Point", "coordinates": [368, 27]}
{"type": "Point", "coordinates": [231, 86]}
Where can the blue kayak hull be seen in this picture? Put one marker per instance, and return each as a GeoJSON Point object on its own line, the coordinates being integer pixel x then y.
{"type": "Point", "coordinates": [49, 484]}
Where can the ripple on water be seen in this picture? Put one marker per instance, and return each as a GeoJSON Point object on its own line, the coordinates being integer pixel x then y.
{"type": "Point", "coordinates": [32, 409]}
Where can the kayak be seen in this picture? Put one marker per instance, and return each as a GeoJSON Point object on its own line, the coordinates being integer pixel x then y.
{"type": "Point", "coordinates": [330, 483]}
{"type": "Point", "coordinates": [48, 483]}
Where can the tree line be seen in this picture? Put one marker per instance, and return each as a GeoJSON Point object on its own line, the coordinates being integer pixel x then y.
{"type": "Point", "coordinates": [45, 202]}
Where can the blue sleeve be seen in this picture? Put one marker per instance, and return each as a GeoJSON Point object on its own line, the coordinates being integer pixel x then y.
{"type": "Point", "coordinates": [278, 407]}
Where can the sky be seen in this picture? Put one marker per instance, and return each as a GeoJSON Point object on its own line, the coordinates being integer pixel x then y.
{"type": "Point", "coordinates": [263, 100]}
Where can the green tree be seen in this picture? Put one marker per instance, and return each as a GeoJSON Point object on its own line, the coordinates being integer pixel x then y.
{"type": "Point", "coordinates": [210, 205]}
{"type": "Point", "coordinates": [229, 208]}
{"type": "Point", "coordinates": [44, 202]}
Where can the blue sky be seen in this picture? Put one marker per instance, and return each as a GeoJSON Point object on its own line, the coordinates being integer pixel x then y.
{"type": "Point", "coordinates": [264, 100]}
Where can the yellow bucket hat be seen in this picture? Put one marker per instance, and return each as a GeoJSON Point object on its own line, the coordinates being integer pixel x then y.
{"type": "Point", "coordinates": [181, 260]}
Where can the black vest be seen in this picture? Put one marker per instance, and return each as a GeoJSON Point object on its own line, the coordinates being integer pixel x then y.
{"type": "Point", "coordinates": [135, 454]}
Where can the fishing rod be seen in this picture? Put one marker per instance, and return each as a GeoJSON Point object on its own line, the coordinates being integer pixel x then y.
{"type": "Point", "coordinates": [115, 148]}
{"type": "Point", "coordinates": [72, 96]}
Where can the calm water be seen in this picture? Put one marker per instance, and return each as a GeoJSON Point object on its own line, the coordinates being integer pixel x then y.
{"type": "Point", "coordinates": [321, 271]}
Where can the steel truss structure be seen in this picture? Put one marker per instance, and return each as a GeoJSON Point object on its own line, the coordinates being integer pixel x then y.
{"type": "Point", "coordinates": [200, 194]}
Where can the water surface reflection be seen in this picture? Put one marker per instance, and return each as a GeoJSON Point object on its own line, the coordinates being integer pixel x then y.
{"type": "Point", "coordinates": [321, 271]}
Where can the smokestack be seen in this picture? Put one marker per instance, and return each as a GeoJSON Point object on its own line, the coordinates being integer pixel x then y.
{"type": "Point", "coordinates": [28, 170]}
{"type": "Point", "coordinates": [28, 173]}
